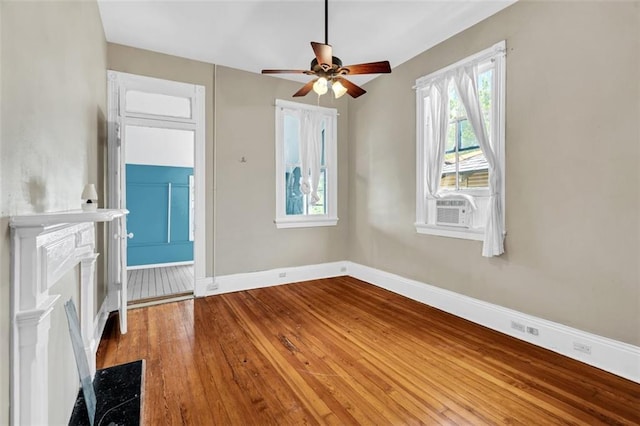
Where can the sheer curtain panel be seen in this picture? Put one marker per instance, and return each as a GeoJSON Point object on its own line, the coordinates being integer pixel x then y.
{"type": "Point", "coordinates": [311, 153]}
{"type": "Point", "coordinates": [437, 107]}
{"type": "Point", "coordinates": [466, 78]}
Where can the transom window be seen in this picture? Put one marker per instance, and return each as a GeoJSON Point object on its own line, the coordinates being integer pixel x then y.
{"type": "Point", "coordinates": [306, 172]}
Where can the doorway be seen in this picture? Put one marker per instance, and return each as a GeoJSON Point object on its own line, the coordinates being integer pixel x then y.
{"type": "Point", "coordinates": [156, 138]}
{"type": "Point", "coordinates": [159, 160]}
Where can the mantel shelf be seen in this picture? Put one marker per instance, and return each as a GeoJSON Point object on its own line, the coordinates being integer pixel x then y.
{"type": "Point", "coordinates": [62, 217]}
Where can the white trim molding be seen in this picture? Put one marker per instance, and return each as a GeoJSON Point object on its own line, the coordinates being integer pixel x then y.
{"type": "Point", "coordinates": [99, 322]}
{"type": "Point", "coordinates": [204, 286]}
{"type": "Point", "coordinates": [118, 118]}
{"type": "Point", "coordinates": [610, 355]}
{"type": "Point", "coordinates": [43, 248]}
{"type": "Point", "coordinates": [273, 277]}
{"type": "Point", "coordinates": [282, 219]}
{"type": "Point", "coordinates": [444, 231]}
{"type": "Point", "coordinates": [305, 222]}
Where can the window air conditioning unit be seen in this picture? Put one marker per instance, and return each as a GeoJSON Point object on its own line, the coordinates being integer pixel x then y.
{"type": "Point", "coordinates": [453, 213]}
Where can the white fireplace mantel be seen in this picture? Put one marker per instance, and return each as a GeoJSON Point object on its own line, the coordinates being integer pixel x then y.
{"type": "Point", "coordinates": [43, 248]}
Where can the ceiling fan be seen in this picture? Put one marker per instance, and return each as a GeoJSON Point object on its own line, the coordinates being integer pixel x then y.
{"type": "Point", "coordinates": [329, 69]}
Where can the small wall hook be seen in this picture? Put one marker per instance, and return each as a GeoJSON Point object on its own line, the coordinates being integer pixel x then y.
{"type": "Point", "coordinates": [243, 160]}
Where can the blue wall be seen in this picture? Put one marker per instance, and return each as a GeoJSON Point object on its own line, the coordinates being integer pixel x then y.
{"type": "Point", "coordinates": [148, 204]}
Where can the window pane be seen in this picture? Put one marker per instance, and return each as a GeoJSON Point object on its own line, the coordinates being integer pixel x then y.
{"type": "Point", "coordinates": [157, 104]}
{"type": "Point", "coordinates": [456, 109]}
{"type": "Point", "coordinates": [473, 169]}
{"type": "Point", "coordinates": [323, 138]}
{"type": "Point", "coordinates": [485, 90]}
{"type": "Point", "coordinates": [452, 134]}
{"type": "Point", "coordinates": [474, 179]}
{"type": "Point", "coordinates": [448, 180]}
{"type": "Point", "coordinates": [467, 137]}
{"type": "Point", "coordinates": [294, 198]}
{"type": "Point", "coordinates": [321, 206]}
{"type": "Point", "coordinates": [291, 140]}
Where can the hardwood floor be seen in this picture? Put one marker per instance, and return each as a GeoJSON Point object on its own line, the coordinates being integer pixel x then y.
{"type": "Point", "coordinates": [340, 351]}
{"type": "Point", "coordinates": [155, 283]}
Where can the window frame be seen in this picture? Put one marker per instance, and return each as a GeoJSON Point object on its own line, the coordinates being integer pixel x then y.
{"type": "Point", "coordinates": [282, 220]}
{"type": "Point", "coordinates": [425, 204]}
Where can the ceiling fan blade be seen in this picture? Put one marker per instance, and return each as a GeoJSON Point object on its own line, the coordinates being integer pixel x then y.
{"type": "Point", "coordinates": [381, 67]}
{"type": "Point", "coordinates": [323, 53]}
{"type": "Point", "coordinates": [284, 71]}
{"type": "Point", "coordinates": [352, 89]}
{"type": "Point", "coordinates": [305, 89]}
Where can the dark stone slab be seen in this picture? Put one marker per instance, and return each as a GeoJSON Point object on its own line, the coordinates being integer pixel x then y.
{"type": "Point", "coordinates": [119, 391]}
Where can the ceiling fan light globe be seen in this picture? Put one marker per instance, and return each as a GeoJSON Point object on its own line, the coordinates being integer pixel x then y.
{"type": "Point", "coordinates": [338, 89]}
{"type": "Point", "coordinates": [320, 86]}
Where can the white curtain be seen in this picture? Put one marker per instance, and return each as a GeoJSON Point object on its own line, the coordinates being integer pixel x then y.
{"type": "Point", "coordinates": [436, 133]}
{"type": "Point", "coordinates": [466, 83]}
{"type": "Point", "coordinates": [310, 153]}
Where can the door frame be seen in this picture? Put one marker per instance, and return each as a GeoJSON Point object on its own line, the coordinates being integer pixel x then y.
{"type": "Point", "coordinates": [117, 116]}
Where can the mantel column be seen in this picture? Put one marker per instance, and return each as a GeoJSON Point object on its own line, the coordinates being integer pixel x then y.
{"type": "Point", "coordinates": [26, 267]}
{"type": "Point", "coordinates": [87, 278]}
{"type": "Point", "coordinates": [33, 346]}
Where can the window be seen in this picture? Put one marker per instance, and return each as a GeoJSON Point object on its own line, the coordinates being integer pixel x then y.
{"type": "Point", "coordinates": [460, 147]}
{"type": "Point", "coordinates": [465, 166]}
{"type": "Point", "coordinates": [306, 165]}
{"type": "Point", "coordinates": [157, 104]}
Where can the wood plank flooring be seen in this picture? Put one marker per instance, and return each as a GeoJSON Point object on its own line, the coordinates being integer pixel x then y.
{"type": "Point", "coordinates": [153, 283]}
{"type": "Point", "coordinates": [341, 352]}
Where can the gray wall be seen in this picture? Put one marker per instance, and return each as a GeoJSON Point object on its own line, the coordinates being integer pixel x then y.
{"type": "Point", "coordinates": [240, 204]}
{"type": "Point", "coordinates": [53, 102]}
{"type": "Point", "coordinates": [572, 153]}
{"type": "Point", "coordinates": [246, 238]}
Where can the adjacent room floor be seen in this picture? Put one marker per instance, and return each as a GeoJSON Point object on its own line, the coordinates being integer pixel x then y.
{"type": "Point", "coordinates": [159, 283]}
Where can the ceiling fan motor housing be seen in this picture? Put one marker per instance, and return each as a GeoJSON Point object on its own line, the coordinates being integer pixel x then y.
{"type": "Point", "coordinates": [329, 72]}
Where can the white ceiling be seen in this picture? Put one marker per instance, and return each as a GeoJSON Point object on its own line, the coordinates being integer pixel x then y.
{"type": "Point", "coordinates": [252, 35]}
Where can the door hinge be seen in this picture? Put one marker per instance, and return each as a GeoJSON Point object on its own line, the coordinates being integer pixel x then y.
{"type": "Point", "coordinates": [118, 136]}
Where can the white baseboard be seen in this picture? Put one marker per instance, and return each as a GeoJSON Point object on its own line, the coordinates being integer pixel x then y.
{"type": "Point", "coordinates": [204, 287]}
{"type": "Point", "coordinates": [610, 355]}
{"type": "Point", "coordinates": [273, 277]}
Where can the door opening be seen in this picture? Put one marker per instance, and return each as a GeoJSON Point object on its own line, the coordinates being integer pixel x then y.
{"type": "Point", "coordinates": [156, 171]}
{"type": "Point", "coordinates": [159, 162]}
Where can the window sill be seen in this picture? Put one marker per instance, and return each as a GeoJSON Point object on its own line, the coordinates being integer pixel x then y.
{"type": "Point", "coordinates": [305, 222]}
{"type": "Point", "coordinates": [476, 234]}
{"type": "Point", "coordinates": [474, 192]}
